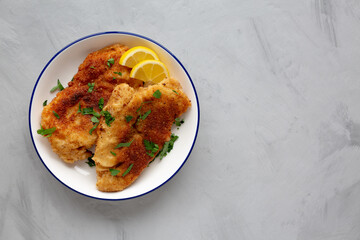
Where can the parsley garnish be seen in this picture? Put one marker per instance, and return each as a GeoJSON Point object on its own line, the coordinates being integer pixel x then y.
{"type": "Point", "coordinates": [92, 67]}
{"type": "Point", "coordinates": [56, 115]}
{"type": "Point", "coordinates": [94, 119]}
{"type": "Point", "coordinates": [113, 172]}
{"type": "Point", "coordinates": [127, 144]}
{"type": "Point", "coordinates": [175, 92]}
{"type": "Point", "coordinates": [46, 132]}
{"type": "Point", "coordinates": [113, 153]}
{"type": "Point", "coordinates": [101, 103]}
{"type": "Point", "coordinates": [79, 110]}
{"type": "Point", "coordinates": [72, 79]}
{"type": "Point", "coordinates": [128, 170]}
{"type": "Point", "coordinates": [45, 103]}
{"type": "Point", "coordinates": [108, 118]}
{"type": "Point", "coordinates": [90, 161]}
{"type": "Point", "coordinates": [114, 78]}
{"type": "Point", "coordinates": [168, 146]}
{"type": "Point", "coordinates": [89, 110]}
{"type": "Point", "coordinates": [118, 73]}
{"type": "Point", "coordinates": [93, 128]}
{"type": "Point", "coordinates": [142, 117]}
{"type": "Point", "coordinates": [157, 94]}
{"type": "Point", "coordinates": [150, 146]}
{"type": "Point", "coordinates": [58, 86]}
{"type": "Point", "coordinates": [179, 121]}
{"type": "Point", "coordinates": [110, 62]}
{"type": "Point", "coordinates": [128, 118]}
{"type": "Point", "coordinates": [91, 87]}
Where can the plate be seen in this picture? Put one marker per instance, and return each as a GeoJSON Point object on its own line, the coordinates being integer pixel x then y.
{"type": "Point", "coordinates": [79, 177]}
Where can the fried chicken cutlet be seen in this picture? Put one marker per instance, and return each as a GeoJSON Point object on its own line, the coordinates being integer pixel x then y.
{"type": "Point", "coordinates": [141, 117]}
{"type": "Point", "coordinates": [96, 78]}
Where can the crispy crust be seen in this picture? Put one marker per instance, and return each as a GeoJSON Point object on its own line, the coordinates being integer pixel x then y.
{"type": "Point", "coordinates": [156, 127]}
{"type": "Point", "coordinates": [71, 140]}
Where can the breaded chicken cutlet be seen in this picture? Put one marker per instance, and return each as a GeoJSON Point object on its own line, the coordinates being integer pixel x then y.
{"type": "Point", "coordinates": [96, 78]}
{"type": "Point", "coordinates": [143, 120]}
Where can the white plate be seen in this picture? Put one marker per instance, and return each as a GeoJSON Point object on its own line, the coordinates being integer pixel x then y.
{"type": "Point", "coordinates": [79, 176]}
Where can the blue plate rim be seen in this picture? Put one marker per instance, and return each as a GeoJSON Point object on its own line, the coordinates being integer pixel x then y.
{"type": "Point", "coordinates": [123, 33]}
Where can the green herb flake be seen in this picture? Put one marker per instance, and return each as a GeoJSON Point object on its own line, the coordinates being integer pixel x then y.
{"type": "Point", "coordinates": [118, 73]}
{"type": "Point", "coordinates": [128, 170]}
{"type": "Point", "coordinates": [56, 115]}
{"type": "Point", "coordinates": [142, 105]}
{"type": "Point", "coordinates": [45, 103]}
{"type": "Point", "coordinates": [114, 172]}
{"type": "Point", "coordinates": [91, 87]}
{"type": "Point", "coordinates": [72, 79]}
{"type": "Point", "coordinates": [90, 161]}
{"type": "Point", "coordinates": [128, 118]}
{"type": "Point", "coordinates": [127, 144]}
{"type": "Point", "coordinates": [175, 92]}
{"type": "Point", "coordinates": [150, 146]}
{"type": "Point", "coordinates": [110, 62]}
{"type": "Point", "coordinates": [93, 128]}
{"type": "Point", "coordinates": [113, 153]}
{"type": "Point", "coordinates": [94, 119]}
{"type": "Point", "coordinates": [46, 132]}
{"type": "Point", "coordinates": [157, 94]}
{"type": "Point", "coordinates": [101, 103]}
{"type": "Point", "coordinates": [92, 67]}
{"type": "Point", "coordinates": [168, 146]}
{"type": "Point", "coordinates": [178, 121]}
{"type": "Point", "coordinates": [58, 86]}
{"type": "Point", "coordinates": [108, 118]}
{"type": "Point", "coordinates": [79, 109]}
{"type": "Point", "coordinates": [142, 117]}
{"type": "Point", "coordinates": [114, 78]}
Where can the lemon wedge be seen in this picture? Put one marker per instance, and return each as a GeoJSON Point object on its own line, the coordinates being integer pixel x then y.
{"type": "Point", "coordinates": [136, 55]}
{"type": "Point", "coordinates": [150, 71]}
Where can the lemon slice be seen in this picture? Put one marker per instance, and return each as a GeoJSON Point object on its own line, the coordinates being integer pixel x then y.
{"type": "Point", "coordinates": [137, 54]}
{"type": "Point", "coordinates": [150, 71]}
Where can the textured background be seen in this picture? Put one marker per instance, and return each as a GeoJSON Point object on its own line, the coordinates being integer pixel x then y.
{"type": "Point", "coordinates": [277, 155]}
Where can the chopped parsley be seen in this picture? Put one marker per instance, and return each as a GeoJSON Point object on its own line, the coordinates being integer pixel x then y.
{"type": "Point", "coordinates": [114, 78]}
{"type": "Point", "coordinates": [94, 119]}
{"type": "Point", "coordinates": [90, 161]}
{"type": "Point", "coordinates": [179, 121]}
{"type": "Point", "coordinates": [91, 87]}
{"type": "Point", "coordinates": [128, 170]}
{"type": "Point", "coordinates": [142, 117]}
{"type": "Point", "coordinates": [79, 110]}
{"type": "Point", "coordinates": [58, 86]}
{"type": "Point", "coordinates": [150, 146]}
{"type": "Point", "coordinates": [56, 115]}
{"type": "Point", "coordinates": [72, 79]}
{"type": "Point", "coordinates": [93, 128]}
{"type": "Point", "coordinates": [45, 103]}
{"type": "Point", "coordinates": [108, 118]}
{"type": "Point", "coordinates": [89, 110]}
{"type": "Point", "coordinates": [92, 67]}
{"type": "Point", "coordinates": [157, 94]}
{"type": "Point", "coordinates": [175, 92]}
{"type": "Point", "coordinates": [128, 118]}
{"type": "Point", "coordinates": [46, 132]}
{"type": "Point", "coordinates": [114, 172]}
{"type": "Point", "coordinates": [113, 153]}
{"type": "Point", "coordinates": [127, 144]}
{"type": "Point", "coordinates": [101, 103]}
{"type": "Point", "coordinates": [118, 73]}
{"type": "Point", "coordinates": [110, 62]}
{"type": "Point", "coordinates": [168, 146]}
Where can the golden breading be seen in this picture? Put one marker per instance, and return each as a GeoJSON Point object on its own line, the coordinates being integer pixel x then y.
{"type": "Point", "coordinates": [72, 139]}
{"type": "Point", "coordinates": [152, 119]}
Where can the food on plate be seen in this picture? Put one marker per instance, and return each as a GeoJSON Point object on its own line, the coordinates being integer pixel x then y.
{"type": "Point", "coordinates": [74, 110]}
{"type": "Point", "coordinates": [137, 54]}
{"type": "Point", "coordinates": [152, 71]}
{"type": "Point", "coordinates": [127, 113]}
{"type": "Point", "coordinates": [142, 125]}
